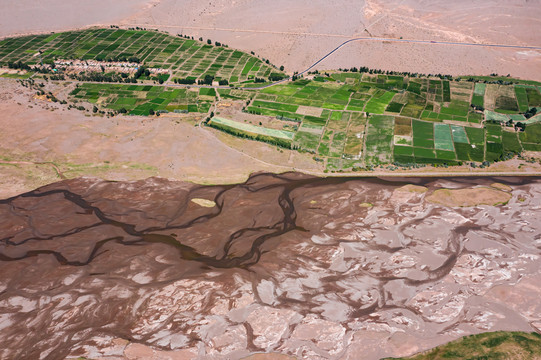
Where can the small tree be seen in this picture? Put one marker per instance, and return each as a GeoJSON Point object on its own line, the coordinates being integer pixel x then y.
{"type": "Point", "coordinates": [282, 68]}
{"type": "Point", "coordinates": [95, 109]}
{"type": "Point", "coordinates": [151, 112]}
{"type": "Point", "coordinates": [209, 41]}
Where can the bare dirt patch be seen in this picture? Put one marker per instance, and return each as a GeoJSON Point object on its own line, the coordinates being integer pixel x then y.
{"type": "Point", "coordinates": [309, 110]}
{"type": "Point", "coordinates": [469, 197]}
{"type": "Point", "coordinates": [502, 187]}
{"type": "Point", "coordinates": [26, 16]}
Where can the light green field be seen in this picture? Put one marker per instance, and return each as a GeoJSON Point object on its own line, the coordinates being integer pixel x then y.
{"type": "Point", "coordinates": [280, 134]}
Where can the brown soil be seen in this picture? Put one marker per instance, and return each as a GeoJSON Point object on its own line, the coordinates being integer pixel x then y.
{"type": "Point", "coordinates": [284, 264]}
{"type": "Point", "coordinates": [500, 186]}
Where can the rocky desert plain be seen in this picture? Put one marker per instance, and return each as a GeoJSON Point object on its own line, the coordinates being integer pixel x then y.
{"type": "Point", "coordinates": [132, 237]}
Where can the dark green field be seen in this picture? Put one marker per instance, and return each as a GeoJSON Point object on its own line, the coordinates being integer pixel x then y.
{"type": "Point", "coordinates": [498, 345]}
{"type": "Point", "coordinates": [184, 57]}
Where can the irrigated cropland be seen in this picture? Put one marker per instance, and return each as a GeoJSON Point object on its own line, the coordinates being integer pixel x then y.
{"type": "Point", "coordinates": [350, 119]}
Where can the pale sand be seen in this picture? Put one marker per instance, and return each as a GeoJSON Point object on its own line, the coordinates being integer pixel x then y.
{"type": "Point", "coordinates": [30, 16]}
{"type": "Point", "coordinates": [296, 34]}
{"type": "Point", "coordinates": [130, 147]}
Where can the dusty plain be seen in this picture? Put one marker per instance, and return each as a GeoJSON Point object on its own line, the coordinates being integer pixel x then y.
{"type": "Point", "coordinates": [297, 33]}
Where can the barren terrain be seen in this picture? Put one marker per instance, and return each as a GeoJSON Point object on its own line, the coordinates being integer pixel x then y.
{"type": "Point", "coordinates": [305, 267]}
{"type": "Point", "coordinates": [29, 16]}
{"type": "Point", "coordinates": [296, 34]}
{"type": "Point", "coordinates": [122, 147]}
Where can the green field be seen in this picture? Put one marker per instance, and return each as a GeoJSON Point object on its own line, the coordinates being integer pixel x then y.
{"type": "Point", "coordinates": [344, 118]}
{"type": "Point", "coordinates": [184, 57]}
{"type": "Point", "coordinates": [479, 94]}
{"type": "Point", "coordinates": [326, 128]}
{"type": "Point", "coordinates": [498, 345]}
{"type": "Point", "coordinates": [139, 99]}
{"type": "Point", "coordinates": [379, 138]}
{"type": "Point", "coordinates": [279, 137]}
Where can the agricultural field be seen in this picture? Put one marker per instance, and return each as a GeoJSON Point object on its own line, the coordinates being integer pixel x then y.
{"type": "Point", "coordinates": [362, 120]}
{"type": "Point", "coordinates": [379, 137]}
{"type": "Point", "coordinates": [184, 58]}
{"type": "Point", "coordinates": [410, 120]}
{"type": "Point", "coordinates": [277, 137]}
{"type": "Point", "coordinates": [491, 345]}
{"type": "Point", "coordinates": [345, 119]}
{"type": "Point", "coordinates": [141, 99]}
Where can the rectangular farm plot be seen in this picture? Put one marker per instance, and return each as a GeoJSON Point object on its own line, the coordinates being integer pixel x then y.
{"type": "Point", "coordinates": [531, 135]}
{"type": "Point", "coordinates": [395, 107]}
{"type": "Point", "coordinates": [456, 107]}
{"type": "Point", "coordinates": [354, 141]}
{"type": "Point", "coordinates": [470, 152]}
{"type": "Point", "coordinates": [338, 120]}
{"type": "Point", "coordinates": [459, 134]}
{"type": "Point", "coordinates": [494, 132]}
{"type": "Point", "coordinates": [423, 129]}
{"type": "Point", "coordinates": [445, 155]}
{"type": "Point", "coordinates": [280, 137]}
{"type": "Point", "coordinates": [377, 105]}
{"type": "Point", "coordinates": [403, 150]}
{"type": "Point", "coordinates": [309, 110]}
{"type": "Point", "coordinates": [534, 97]}
{"type": "Point", "coordinates": [337, 144]}
{"type": "Point", "coordinates": [442, 137]}
{"type": "Point", "coordinates": [446, 91]}
{"type": "Point", "coordinates": [307, 141]}
{"type": "Point", "coordinates": [422, 154]}
{"type": "Point", "coordinates": [522, 98]}
{"type": "Point", "coordinates": [275, 106]}
{"type": "Point", "coordinates": [511, 143]}
{"type": "Point", "coordinates": [402, 126]}
{"type": "Point", "coordinates": [478, 97]}
{"type": "Point", "coordinates": [379, 138]}
{"type": "Point", "coordinates": [475, 135]}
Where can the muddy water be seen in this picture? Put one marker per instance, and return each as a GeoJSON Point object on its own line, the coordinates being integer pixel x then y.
{"type": "Point", "coordinates": [287, 264]}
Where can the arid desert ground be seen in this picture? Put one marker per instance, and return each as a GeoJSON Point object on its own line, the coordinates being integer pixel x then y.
{"type": "Point", "coordinates": [297, 33]}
